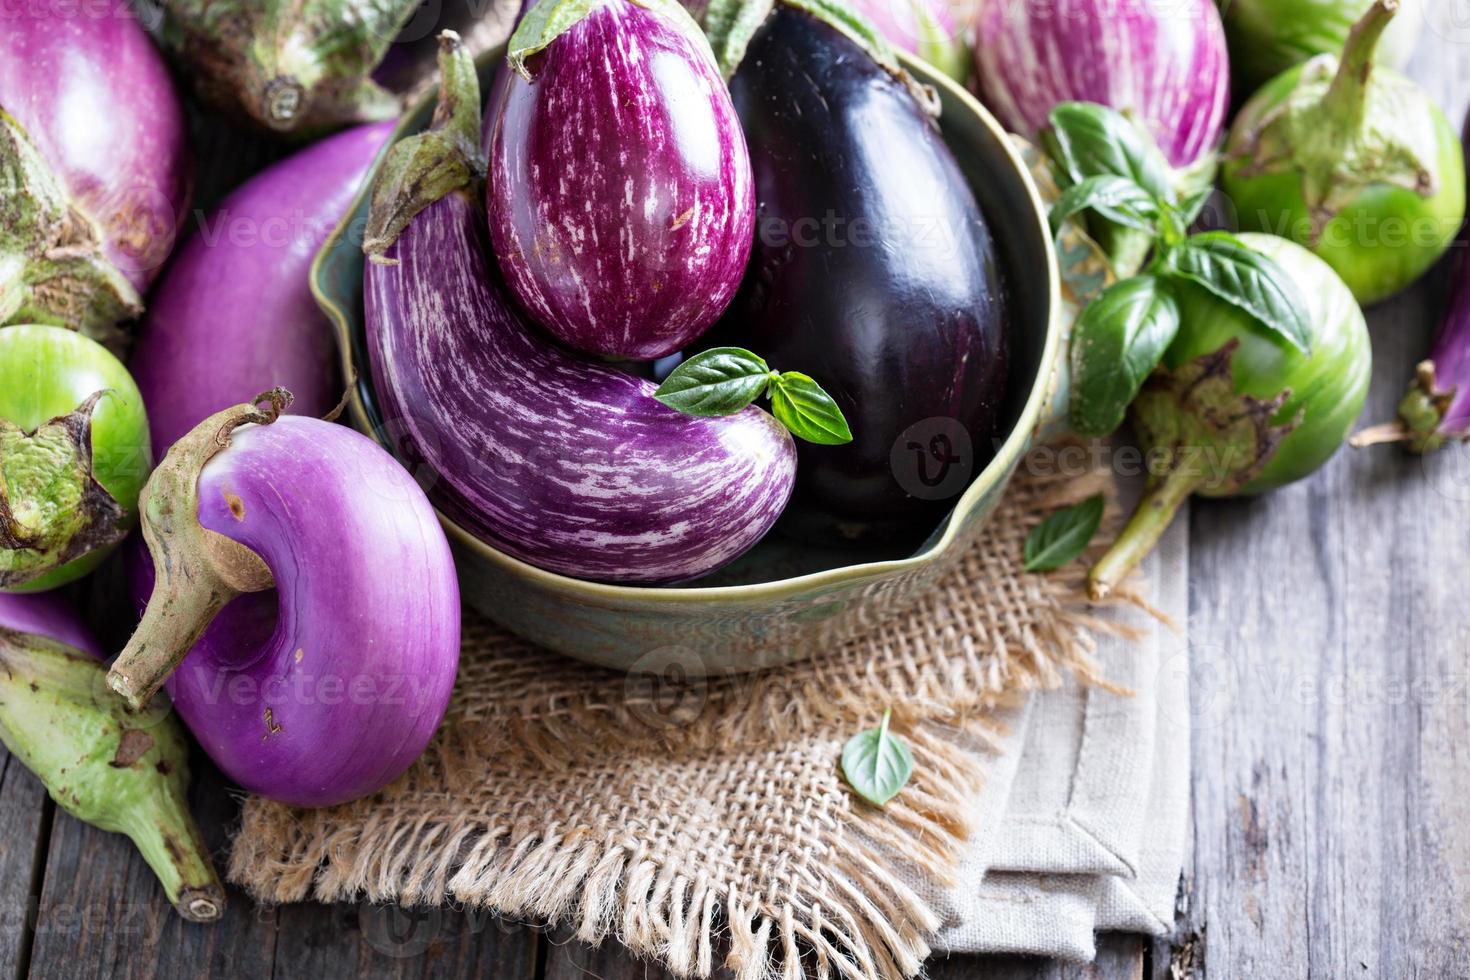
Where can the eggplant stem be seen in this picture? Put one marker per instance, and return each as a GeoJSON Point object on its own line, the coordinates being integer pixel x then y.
{"type": "Point", "coordinates": [1153, 515]}
{"type": "Point", "coordinates": [171, 844]}
{"type": "Point", "coordinates": [1378, 435]}
{"type": "Point", "coordinates": [1347, 96]}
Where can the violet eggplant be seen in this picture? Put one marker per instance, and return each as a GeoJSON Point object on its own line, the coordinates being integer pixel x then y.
{"type": "Point", "coordinates": [621, 213]}
{"type": "Point", "coordinates": [95, 206]}
{"type": "Point", "coordinates": [298, 66]}
{"type": "Point", "coordinates": [74, 452]}
{"type": "Point", "coordinates": [1352, 160]}
{"type": "Point", "coordinates": [570, 465]}
{"type": "Point", "coordinates": [116, 769]}
{"type": "Point", "coordinates": [327, 688]}
{"type": "Point", "coordinates": [235, 314]}
{"type": "Point", "coordinates": [1163, 62]}
{"type": "Point", "coordinates": [894, 300]}
{"type": "Point", "coordinates": [930, 29]}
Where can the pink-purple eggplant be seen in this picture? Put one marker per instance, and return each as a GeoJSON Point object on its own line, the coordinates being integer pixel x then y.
{"type": "Point", "coordinates": [235, 314]}
{"type": "Point", "coordinates": [93, 150]}
{"type": "Point", "coordinates": [621, 212]}
{"type": "Point", "coordinates": [565, 463]}
{"type": "Point", "coordinates": [1162, 61]}
{"type": "Point", "coordinates": [306, 613]}
{"type": "Point", "coordinates": [874, 270]}
{"type": "Point", "coordinates": [119, 770]}
{"type": "Point", "coordinates": [930, 29]}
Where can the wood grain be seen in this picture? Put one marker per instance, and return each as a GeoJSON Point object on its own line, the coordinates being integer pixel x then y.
{"type": "Point", "coordinates": [24, 814]}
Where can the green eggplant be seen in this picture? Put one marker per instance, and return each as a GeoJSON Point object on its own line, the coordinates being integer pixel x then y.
{"type": "Point", "coordinates": [298, 66]}
{"type": "Point", "coordinates": [119, 770]}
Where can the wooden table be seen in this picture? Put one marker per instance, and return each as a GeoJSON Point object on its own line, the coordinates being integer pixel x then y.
{"type": "Point", "coordinates": [1330, 634]}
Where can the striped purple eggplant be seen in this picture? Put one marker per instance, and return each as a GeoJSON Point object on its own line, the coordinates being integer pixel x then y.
{"type": "Point", "coordinates": [565, 463]}
{"type": "Point", "coordinates": [1162, 61]}
{"type": "Point", "coordinates": [235, 314]}
{"type": "Point", "coordinates": [308, 621]}
{"type": "Point", "coordinates": [619, 192]}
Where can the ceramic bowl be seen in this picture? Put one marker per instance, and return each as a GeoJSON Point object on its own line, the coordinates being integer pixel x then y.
{"type": "Point", "coordinates": [782, 601]}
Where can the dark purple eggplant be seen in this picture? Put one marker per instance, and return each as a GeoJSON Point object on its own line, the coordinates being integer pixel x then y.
{"type": "Point", "coordinates": [565, 463]}
{"type": "Point", "coordinates": [619, 190]}
{"type": "Point", "coordinates": [873, 269]}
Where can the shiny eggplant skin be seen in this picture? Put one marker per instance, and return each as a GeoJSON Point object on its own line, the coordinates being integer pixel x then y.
{"type": "Point", "coordinates": [873, 271]}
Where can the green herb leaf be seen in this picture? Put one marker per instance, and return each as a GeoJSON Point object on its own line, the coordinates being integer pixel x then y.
{"type": "Point", "coordinates": [1119, 339]}
{"type": "Point", "coordinates": [876, 763]}
{"type": "Point", "coordinates": [1118, 199]}
{"type": "Point", "coordinates": [719, 381]}
{"type": "Point", "coordinates": [1090, 140]}
{"type": "Point", "coordinates": [1246, 279]}
{"type": "Point", "coordinates": [1064, 535]}
{"type": "Point", "coordinates": [801, 405]}
{"type": "Point", "coordinates": [1191, 206]}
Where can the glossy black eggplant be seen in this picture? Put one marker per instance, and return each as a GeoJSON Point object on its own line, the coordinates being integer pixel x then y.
{"type": "Point", "coordinates": [875, 272]}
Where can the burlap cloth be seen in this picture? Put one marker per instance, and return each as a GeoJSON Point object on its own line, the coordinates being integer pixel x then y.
{"type": "Point", "coordinates": [707, 821]}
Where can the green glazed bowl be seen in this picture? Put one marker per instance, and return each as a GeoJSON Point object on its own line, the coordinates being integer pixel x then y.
{"type": "Point", "coordinates": [782, 601]}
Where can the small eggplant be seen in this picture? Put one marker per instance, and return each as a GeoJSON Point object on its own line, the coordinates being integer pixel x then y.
{"type": "Point", "coordinates": [1266, 37]}
{"type": "Point", "coordinates": [74, 452]}
{"type": "Point", "coordinates": [1163, 62]}
{"type": "Point", "coordinates": [930, 29]}
{"type": "Point", "coordinates": [94, 157]}
{"type": "Point", "coordinates": [298, 66]}
{"type": "Point", "coordinates": [235, 314]}
{"type": "Point", "coordinates": [621, 212]}
{"type": "Point", "coordinates": [1352, 160]}
{"type": "Point", "coordinates": [1234, 409]}
{"type": "Point", "coordinates": [117, 769]}
{"type": "Point", "coordinates": [329, 687]}
{"type": "Point", "coordinates": [567, 464]}
{"type": "Point", "coordinates": [875, 270]}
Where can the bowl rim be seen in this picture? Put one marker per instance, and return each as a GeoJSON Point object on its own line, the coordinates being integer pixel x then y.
{"type": "Point", "coordinates": [1006, 458]}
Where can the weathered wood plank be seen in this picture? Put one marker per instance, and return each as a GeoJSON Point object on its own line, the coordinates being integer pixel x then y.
{"type": "Point", "coordinates": [101, 913]}
{"type": "Point", "coordinates": [1329, 630]}
{"type": "Point", "coordinates": [24, 817]}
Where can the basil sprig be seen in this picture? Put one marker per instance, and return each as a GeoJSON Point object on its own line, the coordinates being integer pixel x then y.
{"type": "Point", "coordinates": [1108, 166]}
{"type": "Point", "coordinates": [724, 380]}
{"type": "Point", "coordinates": [1064, 535]}
{"type": "Point", "coordinates": [877, 763]}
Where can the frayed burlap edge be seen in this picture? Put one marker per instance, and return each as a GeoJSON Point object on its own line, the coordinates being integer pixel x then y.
{"type": "Point", "coordinates": [848, 913]}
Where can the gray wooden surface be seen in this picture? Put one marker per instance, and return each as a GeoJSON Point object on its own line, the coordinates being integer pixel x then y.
{"type": "Point", "coordinates": [1331, 718]}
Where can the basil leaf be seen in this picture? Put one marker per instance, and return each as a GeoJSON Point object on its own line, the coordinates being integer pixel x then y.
{"type": "Point", "coordinates": [1191, 206]}
{"type": "Point", "coordinates": [1119, 339]}
{"type": "Point", "coordinates": [801, 405]}
{"type": "Point", "coordinates": [1247, 280]}
{"type": "Point", "coordinates": [1090, 140]}
{"type": "Point", "coordinates": [1118, 199]}
{"type": "Point", "coordinates": [876, 763]}
{"type": "Point", "coordinates": [1064, 535]}
{"type": "Point", "coordinates": [719, 381]}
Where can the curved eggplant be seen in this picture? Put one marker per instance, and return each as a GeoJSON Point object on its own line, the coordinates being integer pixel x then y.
{"type": "Point", "coordinates": [235, 314]}
{"type": "Point", "coordinates": [873, 269]}
{"type": "Point", "coordinates": [327, 688]}
{"type": "Point", "coordinates": [570, 465]}
{"type": "Point", "coordinates": [621, 212]}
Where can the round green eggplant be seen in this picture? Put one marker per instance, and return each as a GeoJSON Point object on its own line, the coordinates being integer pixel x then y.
{"type": "Point", "coordinates": [1352, 160]}
{"type": "Point", "coordinates": [1236, 409]}
{"type": "Point", "coordinates": [74, 453]}
{"type": "Point", "coordinates": [1266, 37]}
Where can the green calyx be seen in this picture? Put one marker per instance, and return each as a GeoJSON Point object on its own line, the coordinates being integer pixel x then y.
{"type": "Point", "coordinates": [1199, 435]}
{"type": "Point", "coordinates": [52, 269]}
{"type": "Point", "coordinates": [197, 571]}
{"type": "Point", "coordinates": [300, 66]}
{"type": "Point", "coordinates": [550, 19]}
{"type": "Point", "coordinates": [1345, 126]}
{"type": "Point", "coordinates": [114, 768]}
{"type": "Point", "coordinates": [731, 24]}
{"type": "Point", "coordinates": [431, 165]}
{"type": "Point", "coordinates": [1422, 411]}
{"type": "Point", "coordinates": [52, 509]}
